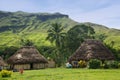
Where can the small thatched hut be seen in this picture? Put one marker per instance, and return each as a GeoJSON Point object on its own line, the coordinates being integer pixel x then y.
{"type": "Point", "coordinates": [91, 49]}
{"type": "Point", "coordinates": [27, 57]}
{"type": "Point", "coordinates": [2, 63]}
{"type": "Point", "coordinates": [51, 63]}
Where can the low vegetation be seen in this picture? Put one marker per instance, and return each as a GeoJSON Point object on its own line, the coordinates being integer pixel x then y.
{"type": "Point", "coordinates": [5, 73]}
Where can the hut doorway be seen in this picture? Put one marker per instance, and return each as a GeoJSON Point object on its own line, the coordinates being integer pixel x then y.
{"type": "Point", "coordinates": [31, 66]}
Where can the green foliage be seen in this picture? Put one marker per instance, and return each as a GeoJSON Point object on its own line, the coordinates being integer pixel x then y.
{"type": "Point", "coordinates": [106, 65]}
{"type": "Point", "coordinates": [113, 50]}
{"type": "Point", "coordinates": [82, 64]}
{"type": "Point", "coordinates": [94, 64]}
{"type": "Point", "coordinates": [118, 65]}
{"type": "Point", "coordinates": [6, 73]}
{"type": "Point", "coordinates": [110, 65]}
{"type": "Point", "coordinates": [77, 34]}
{"type": "Point", "coordinates": [8, 51]}
{"type": "Point", "coordinates": [114, 64]}
{"type": "Point", "coordinates": [113, 41]}
{"type": "Point", "coordinates": [100, 36]}
{"type": "Point", "coordinates": [27, 42]}
{"type": "Point", "coordinates": [47, 51]}
{"type": "Point", "coordinates": [56, 35]}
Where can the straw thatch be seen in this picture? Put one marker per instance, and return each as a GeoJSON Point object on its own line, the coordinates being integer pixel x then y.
{"type": "Point", "coordinates": [91, 49]}
{"type": "Point", "coordinates": [2, 62]}
{"type": "Point", "coordinates": [27, 56]}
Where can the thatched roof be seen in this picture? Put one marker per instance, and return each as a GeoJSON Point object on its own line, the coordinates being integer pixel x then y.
{"type": "Point", "coordinates": [27, 54]}
{"type": "Point", "coordinates": [91, 49]}
{"type": "Point", "coordinates": [2, 62]}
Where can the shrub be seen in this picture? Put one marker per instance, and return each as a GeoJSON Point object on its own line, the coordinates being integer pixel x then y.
{"type": "Point", "coordinates": [118, 65]}
{"type": "Point", "coordinates": [114, 64]}
{"type": "Point", "coordinates": [111, 64]}
{"type": "Point", "coordinates": [94, 64]}
{"type": "Point", "coordinates": [106, 65]}
{"type": "Point", "coordinates": [6, 73]}
{"type": "Point", "coordinates": [82, 64]}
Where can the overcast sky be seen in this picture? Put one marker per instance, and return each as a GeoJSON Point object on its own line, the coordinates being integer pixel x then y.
{"type": "Point", "coordinates": [105, 12]}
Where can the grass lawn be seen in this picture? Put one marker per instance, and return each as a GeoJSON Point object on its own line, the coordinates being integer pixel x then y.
{"type": "Point", "coordinates": [67, 74]}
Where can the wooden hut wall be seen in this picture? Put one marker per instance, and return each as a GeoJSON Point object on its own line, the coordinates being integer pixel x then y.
{"type": "Point", "coordinates": [51, 64]}
{"type": "Point", "coordinates": [22, 66]}
{"type": "Point", "coordinates": [38, 65]}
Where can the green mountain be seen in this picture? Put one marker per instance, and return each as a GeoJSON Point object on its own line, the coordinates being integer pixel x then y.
{"type": "Point", "coordinates": [33, 26]}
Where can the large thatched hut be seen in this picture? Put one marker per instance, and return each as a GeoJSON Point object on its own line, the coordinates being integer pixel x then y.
{"type": "Point", "coordinates": [91, 49]}
{"type": "Point", "coordinates": [27, 57]}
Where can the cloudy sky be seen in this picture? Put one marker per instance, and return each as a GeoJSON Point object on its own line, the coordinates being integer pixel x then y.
{"type": "Point", "coordinates": [105, 12]}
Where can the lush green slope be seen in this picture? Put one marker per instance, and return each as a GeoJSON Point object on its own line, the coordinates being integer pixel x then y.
{"type": "Point", "coordinates": [103, 29]}
{"type": "Point", "coordinates": [22, 22]}
{"type": "Point", "coordinates": [33, 26]}
{"type": "Point", "coordinates": [17, 25]}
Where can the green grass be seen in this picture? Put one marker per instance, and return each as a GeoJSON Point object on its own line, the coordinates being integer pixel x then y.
{"type": "Point", "coordinates": [10, 39]}
{"type": "Point", "coordinates": [67, 74]}
{"type": "Point", "coordinates": [116, 40]}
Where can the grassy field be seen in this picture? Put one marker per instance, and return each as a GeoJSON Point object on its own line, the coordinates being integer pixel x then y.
{"type": "Point", "coordinates": [67, 74]}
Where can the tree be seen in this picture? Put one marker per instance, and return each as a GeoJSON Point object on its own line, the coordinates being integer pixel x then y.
{"type": "Point", "coordinates": [9, 51]}
{"type": "Point", "coordinates": [57, 36]}
{"type": "Point", "coordinates": [76, 35]}
{"type": "Point", "coordinates": [26, 42]}
{"type": "Point", "coordinates": [100, 36]}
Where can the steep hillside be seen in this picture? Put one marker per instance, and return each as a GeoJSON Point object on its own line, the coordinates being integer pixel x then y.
{"type": "Point", "coordinates": [22, 21]}
{"type": "Point", "coordinates": [103, 29]}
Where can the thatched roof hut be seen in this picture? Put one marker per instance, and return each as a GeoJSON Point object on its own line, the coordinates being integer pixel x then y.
{"type": "Point", "coordinates": [91, 49]}
{"type": "Point", "coordinates": [27, 57]}
{"type": "Point", "coordinates": [2, 62]}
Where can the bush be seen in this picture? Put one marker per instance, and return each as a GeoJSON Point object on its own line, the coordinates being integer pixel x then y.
{"type": "Point", "coordinates": [82, 64]}
{"type": "Point", "coordinates": [106, 65]}
{"type": "Point", "coordinates": [111, 64]}
{"type": "Point", "coordinates": [118, 65]}
{"type": "Point", "coordinates": [114, 64]}
{"type": "Point", "coordinates": [6, 73]}
{"type": "Point", "coordinates": [94, 64]}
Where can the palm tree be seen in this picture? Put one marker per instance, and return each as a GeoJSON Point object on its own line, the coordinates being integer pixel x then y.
{"type": "Point", "coordinates": [56, 34]}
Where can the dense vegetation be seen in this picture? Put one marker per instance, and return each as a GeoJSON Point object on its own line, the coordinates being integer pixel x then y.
{"type": "Point", "coordinates": [21, 28]}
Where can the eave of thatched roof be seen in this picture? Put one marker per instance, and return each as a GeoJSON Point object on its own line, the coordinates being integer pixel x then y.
{"type": "Point", "coordinates": [91, 49]}
{"type": "Point", "coordinates": [27, 54]}
{"type": "Point", "coordinates": [2, 62]}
